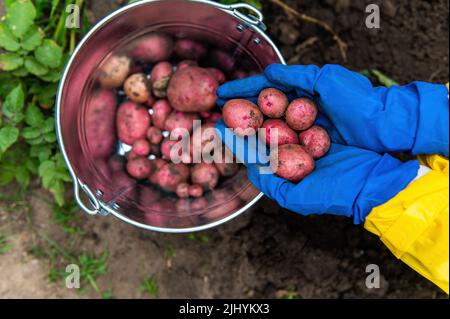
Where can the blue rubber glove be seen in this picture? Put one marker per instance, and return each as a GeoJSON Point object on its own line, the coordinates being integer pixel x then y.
{"type": "Point", "coordinates": [348, 181]}
{"type": "Point", "coordinates": [412, 118]}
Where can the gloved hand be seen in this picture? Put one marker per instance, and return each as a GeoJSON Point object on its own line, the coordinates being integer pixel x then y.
{"type": "Point", "coordinates": [412, 118]}
{"type": "Point", "coordinates": [348, 181]}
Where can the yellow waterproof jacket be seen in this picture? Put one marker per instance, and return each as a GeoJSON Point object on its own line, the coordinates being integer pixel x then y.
{"type": "Point", "coordinates": [414, 224]}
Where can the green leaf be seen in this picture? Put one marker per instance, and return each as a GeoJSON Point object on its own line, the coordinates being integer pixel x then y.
{"type": "Point", "coordinates": [49, 125]}
{"type": "Point", "coordinates": [383, 79]}
{"type": "Point", "coordinates": [47, 172]}
{"type": "Point", "coordinates": [6, 176]}
{"type": "Point", "coordinates": [34, 67]}
{"type": "Point", "coordinates": [36, 141]}
{"type": "Point", "coordinates": [42, 152]}
{"type": "Point", "coordinates": [34, 116]}
{"type": "Point", "coordinates": [14, 101]}
{"type": "Point", "coordinates": [49, 53]}
{"type": "Point", "coordinates": [22, 176]}
{"type": "Point", "coordinates": [10, 61]}
{"type": "Point", "coordinates": [50, 137]}
{"type": "Point", "coordinates": [8, 3]}
{"type": "Point", "coordinates": [55, 4]}
{"type": "Point", "coordinates": [8, 136]}
{"type": "Point", "coordinates": [7, 84]}
{"type": "Point", "coordinates": [20, 17]}
{"type": "Point", "coordinates": [32, 38]}
{"type": "Point", "coordinates": [30, 133]}
{"type": "Point", "coordinates": [20, 72]}
{"type": "Point", "coordinates": [7, 39]}
{"type": "Point", "coordinates": [52, 76]}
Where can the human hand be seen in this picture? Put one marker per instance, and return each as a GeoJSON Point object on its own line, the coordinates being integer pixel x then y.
{"type": "Point", "coordinates": [411, 118]}
{"type": "Point", "coordinates": [348, 181]}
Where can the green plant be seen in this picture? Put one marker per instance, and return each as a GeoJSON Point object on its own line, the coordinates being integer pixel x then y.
{"type": "Point", "coordinates": [91, 267]}
{"type": "Point", "coordinates": [150, 287]}
{"type": "Point", "coordinates": [4, 245]}
{"type": "Point", "coordinates": [66, 216]}
{"type": "Point", "coordinates": [36, 45]}
{"type": "Point", "coordinates": [379, 76]}
{"type": "Point", "coordinates": [169, 252]}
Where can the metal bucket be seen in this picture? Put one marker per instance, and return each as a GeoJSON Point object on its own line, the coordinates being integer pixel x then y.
{"type": "Point", "coordinates": [101, 186]}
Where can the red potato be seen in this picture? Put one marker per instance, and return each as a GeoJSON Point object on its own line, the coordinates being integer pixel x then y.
{"type": "Point", "coordinates": [223, 201]}
{"type": "Point", "coordinates": [285, 135]}
{"type": "Point", "coordinates": [161, 110]}
{"type": "Point", "coordinates": [273, 103]}
{"type": "Point", "coordinates": [316, 141]}
{"type": "Point", "coordinates": [182, 190]}
{"type": "Point", "coordinates": [192, 89]}
{"type": "Point", "coordinates": [239, 74]}
{"type": "Point", "coordinates": [222, 59]}
{"type": "Point", "coordinates": [160, 77]}
{"type": "Point", "coordinates": [301, 114]}
{"type": "Point", "coordinates": [139, 168]}
{"type": "Point", "coordinates": [195, 191]}
{"type": "Point", "coordinates": [100, 126]}
{"type": "Point", "coordinates": [205, 175]}
{"type": "Point", "coordinates": [132, 122]}
{"type": "Point", "coordinates": [215, 116]}
{"type": "Point", "coordinates": [166, 148]}
{"type": "Point", "coordinates": [151, 100]}
{"type": "Point", "coordinates": [293, 162]}
{"type": "Point", "coordinates": [199, 204]}
{"type": "Point", "coordinates": [154, 135]}
{"type": "Point", "coordinates": [116, 163]}
{"type": "Point", "coordinates": [170, 175]}
{"type": "Point", "coordinates": [136, 87]}
{"type": "Point", "coordinates": [153, 48]}
{"type": "Point", "coordinates": [141, 147]}
{"type": "Point", "coordinates": [203, 140]}
{"type": "Point", "coordinates": [218, 75]}
{"type": "Point", "coordinates": [227, 166]}
{"type": "Point", "coordinates": [227, 169]}
{"type": "Point", "coordinates": [171, 154]}
{"type": "Point", "coordinates": [205, 115]}
{"type": "Point", "coordinates": [156, 165]}
{"type": "Point", "coordinates": [132, 155]}
{"type": "Point", "coordinates": [190, 50]}
{"type": "Point", "coordinates": [243, 116]}
{"type": "Point", "coordinates": [114, 71]}
{"type": "Point", "coordinates": [186, 63]}
{"type": "Point", "coordinates": [180, 120]}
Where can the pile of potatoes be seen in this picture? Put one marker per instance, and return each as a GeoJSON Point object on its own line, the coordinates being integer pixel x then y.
{"type": "Point", "coordinates": [158, 86]}
{"type": "Point", "coordinates": [299, 142]}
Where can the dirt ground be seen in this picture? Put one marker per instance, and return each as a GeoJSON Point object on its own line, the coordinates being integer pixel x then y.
{"type": "Point", "coordinates": [267, 252]}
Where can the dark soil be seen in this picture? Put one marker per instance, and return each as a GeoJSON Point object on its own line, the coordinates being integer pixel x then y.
{"type": "Point", "coordinates": [270, 252]}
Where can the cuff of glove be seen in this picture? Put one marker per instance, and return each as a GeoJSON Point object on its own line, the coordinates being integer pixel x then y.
{"type": "Point", "coordinates": [384, 182]}
{"type": "Point", "coordinates": [432, 132]}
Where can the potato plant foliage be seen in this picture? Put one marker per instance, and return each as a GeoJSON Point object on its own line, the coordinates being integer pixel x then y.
{"type": "Point", "coordinates": [34, 47]}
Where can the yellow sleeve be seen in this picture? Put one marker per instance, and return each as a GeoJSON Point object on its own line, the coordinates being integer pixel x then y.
{"type": "Point", "coordinates": [414, 224]}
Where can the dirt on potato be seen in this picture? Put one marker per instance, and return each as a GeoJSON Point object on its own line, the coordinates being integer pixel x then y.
{"type": "Point", "coordinates": [268, 252]}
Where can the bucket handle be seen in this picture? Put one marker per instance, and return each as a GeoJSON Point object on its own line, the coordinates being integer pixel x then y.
{"type": "Point", "coordinates": [256, 18]}
{"type": "Point", "coordinates": [92, 199]}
